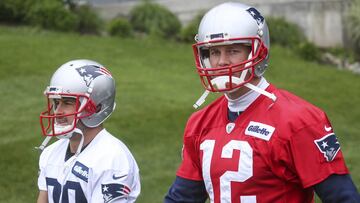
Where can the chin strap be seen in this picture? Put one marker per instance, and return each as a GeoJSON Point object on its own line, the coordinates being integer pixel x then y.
{"type": "Point", "coordinates": [78, 131]}
{"type": "Point", "coordinates": [60, 129]}
{"type": "Point", "coordinates": [201, 100]}
{"type": "Point", "coordinates": [67, 136]}
{"type": "Point", "coordinates": [220, 83]}
{"type": "Point", "coordinates": [43, 144]}
{"type": "Point", "coordinates": [261, 91]}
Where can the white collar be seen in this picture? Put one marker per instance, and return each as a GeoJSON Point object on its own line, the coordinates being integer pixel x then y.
{"type": "Point", "coordinates": [241, 103]}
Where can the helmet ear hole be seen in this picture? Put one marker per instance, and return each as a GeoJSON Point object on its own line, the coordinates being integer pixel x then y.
{"type": "Point", "coordinates": [98, 108]}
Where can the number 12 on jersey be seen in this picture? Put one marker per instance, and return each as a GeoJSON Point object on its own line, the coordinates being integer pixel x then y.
{"type": "Point", "coordinates": [244, 172]}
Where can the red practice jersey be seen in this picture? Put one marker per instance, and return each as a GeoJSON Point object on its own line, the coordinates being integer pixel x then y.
{"type": "Point", "coordinates": [273, 152]}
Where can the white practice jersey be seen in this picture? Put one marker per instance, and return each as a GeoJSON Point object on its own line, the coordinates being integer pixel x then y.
{"type": "Point", "coordinates": [105, 171]}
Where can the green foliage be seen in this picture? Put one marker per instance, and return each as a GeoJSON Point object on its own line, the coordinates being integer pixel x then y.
{"type": "Point", "coordinates": [154, 19]}
{"type": "Point", "coordinates": [120, 27]}
{"type": "Point", "coordinates": [88, 21]}
{"type": "Point", "coordinates": [156, 87]}
{"type": "Point", "coordinates": [284, 33]}
{"type": "Point", "coordinates": [52, 15]}
{"type": "Point", "coordinates": [14, 11]}
{"type": "Point", "coordinates": [353, 26]}
{"type": "Point", "coordinates": [188, 32]}
{"type": "Point", "coordinates": [342, 53]}
{"type": "Point", "coordinates": [308, 51]}
{"type": "Point", "coordinates": [290, 35]}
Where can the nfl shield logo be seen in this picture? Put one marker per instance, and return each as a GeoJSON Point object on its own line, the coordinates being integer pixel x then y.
{"type": "Point", "coordinates": [230, 127]}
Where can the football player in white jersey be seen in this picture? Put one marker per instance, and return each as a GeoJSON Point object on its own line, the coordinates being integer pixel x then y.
{"type": "Point", "coordinates": [87, 163]}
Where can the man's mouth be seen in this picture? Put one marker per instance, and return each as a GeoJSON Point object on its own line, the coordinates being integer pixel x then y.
{"type": "Point", "coordinates": [61, 121]}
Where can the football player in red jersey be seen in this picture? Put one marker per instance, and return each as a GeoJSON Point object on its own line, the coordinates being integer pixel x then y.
{"type": "Point", "coordinates": [257, 143]}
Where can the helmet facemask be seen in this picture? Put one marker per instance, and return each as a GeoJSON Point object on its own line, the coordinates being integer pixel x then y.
{"type": "Point", "coordinates": [59, 124]}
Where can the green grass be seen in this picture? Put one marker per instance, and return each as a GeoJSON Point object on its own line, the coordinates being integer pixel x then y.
{"type": "Point", "coordinates": [156, 87]}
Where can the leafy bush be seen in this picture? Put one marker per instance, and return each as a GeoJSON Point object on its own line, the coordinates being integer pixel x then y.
{"type": "Point", "coordinates": [188, 33]}
{"type": "Point", "coordinates": [342, 53]}
{"type": "Point", "coordinates": [52, 15]}
{"type": "Point", "coordinates": [353, 26]}
{"type": "Point", "coordinates": [290, 35]}
{"type": "Point", "coordinates": [308, 51]}
{"type": "Point", "coordinates": [62, 15]}
{"type": "Point", "coordinates": [88, 21]}
{"type": "Point", "coordinates": [154, 19]}
{"type": "Point", "coordinates": [284, 33]}
{"type": "Point", "coordinates": [120, 27]}
{"type": "Point", "coordinates": [14, 11]}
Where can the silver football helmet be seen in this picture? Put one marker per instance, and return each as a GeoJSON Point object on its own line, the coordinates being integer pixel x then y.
{"type": "Point", "coordinates": [225, 24]}
{"type": "Point", "coordinates": [232, 23]}
{"type": "Point", "coordinates": [91, 85]}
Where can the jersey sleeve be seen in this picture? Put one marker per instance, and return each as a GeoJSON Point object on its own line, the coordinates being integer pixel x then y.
{"type": "Point", "coordinates": [190, 167]}
{"type": "Point", "coordinates": [42, 177]}
{"type": "Point", "coordinates": [186, 191]}
{"type": "Point", "coordinates": [117, 185]}
{"type": "Point", "coordinates": [313, 152]}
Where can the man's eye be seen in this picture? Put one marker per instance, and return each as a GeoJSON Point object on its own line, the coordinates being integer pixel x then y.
{"type": "Point", "coordinates": [69, 102]}
{"type": "Point", "coordinates": [234, 51]}
{"type": "Point", "coordinates": [214, 52]}
{"type": "Point", "coordinates": [56, 102]}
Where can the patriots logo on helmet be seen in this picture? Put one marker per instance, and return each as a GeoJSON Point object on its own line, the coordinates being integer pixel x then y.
{"type": "Point", "coordinates": [256, 15]}
{"type": "Point", "coordinates": [114, 191]}
{"type": "Point", "coordinates": [329, 146]}
{"type": "Point", "coordinates": [89, 73]}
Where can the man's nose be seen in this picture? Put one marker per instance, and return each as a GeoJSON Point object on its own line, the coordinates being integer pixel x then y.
{"type": "Point", "coordinates": [59, 109]}
{"type": "Point", "coordinates": [224, 59]}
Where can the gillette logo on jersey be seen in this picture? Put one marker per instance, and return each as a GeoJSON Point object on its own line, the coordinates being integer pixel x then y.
{"type": "Point", "coordinates": [329, 146]}
{"type": "Point", "coordinates": [259, 130]}
{"type": "Point", "coordinates": [81, 171]}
